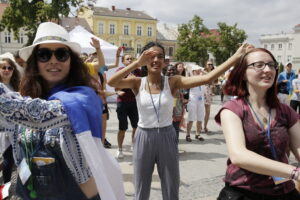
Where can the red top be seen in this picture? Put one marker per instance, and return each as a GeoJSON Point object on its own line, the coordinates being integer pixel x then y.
{"type": "Point", "coordinates": [129, 95]}
{"type": "Point", "coordinates": [256, 141]}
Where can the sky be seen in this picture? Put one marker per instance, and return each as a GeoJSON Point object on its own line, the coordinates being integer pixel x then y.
{"type": "Point", "coordinates": [256, 17]}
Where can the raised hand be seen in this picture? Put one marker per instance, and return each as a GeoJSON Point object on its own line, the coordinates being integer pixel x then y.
{"type": "Point", "coordinates": [95, 43]}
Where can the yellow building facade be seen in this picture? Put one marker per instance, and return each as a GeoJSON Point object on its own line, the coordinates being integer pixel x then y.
{"type": "Point", "coordinates": [121, 27]}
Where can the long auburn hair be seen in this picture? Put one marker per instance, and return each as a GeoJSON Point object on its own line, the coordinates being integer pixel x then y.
{"type": "Point", "coordinates": [236, 84]}
{"type": "Point", "coordinates": [34, 85]}
{"type": "Point", "coordinates": [15, 78]}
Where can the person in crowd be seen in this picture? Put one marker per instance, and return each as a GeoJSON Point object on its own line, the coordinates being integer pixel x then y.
{"type": "Point", "coordinates": [184, 92]}
{"type": "Point", "coordinates": [284, 83]}
{"type": "Point", "coordinates": [259, 132]}
{"type": "Point", "coordinates": [55, 125]}
{"type": "Point", "coordinates": [10, 77]}
{"type": "Point", "coordinates": [155, 141]}
{"type": "Point", "coordinates": [178, 105]}
{"type": "Point", "coordinates": [195, 107]}
{"type": "Point", "coordinates": [295, 98]}
{"type": "Point", "coordinates": [126, 107]}
{"type": "Point", "coordinates": [208, 95]}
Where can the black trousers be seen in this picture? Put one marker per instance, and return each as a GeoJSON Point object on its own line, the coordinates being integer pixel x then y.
{"type": "Point", "coordinates": [8, 163]}
{"type": "Point", "coordinates": [233, 193]}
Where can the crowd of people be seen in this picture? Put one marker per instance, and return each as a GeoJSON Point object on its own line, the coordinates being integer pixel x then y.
{"type": "Point", "coordinates": [54, 113]}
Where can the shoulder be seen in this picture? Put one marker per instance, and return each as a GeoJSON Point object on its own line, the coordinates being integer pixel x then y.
{"type": "Point", "coordinates": [236, 106]}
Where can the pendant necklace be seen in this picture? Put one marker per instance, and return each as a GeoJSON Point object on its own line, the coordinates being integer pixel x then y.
{"type": "Point", "coordinates": [264, 119]}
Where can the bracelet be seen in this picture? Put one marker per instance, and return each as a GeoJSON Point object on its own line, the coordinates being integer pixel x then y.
{"type": "Point", "coordinates": [295, 173]}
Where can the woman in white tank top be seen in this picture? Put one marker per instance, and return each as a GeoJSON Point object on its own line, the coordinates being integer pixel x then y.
{"type": "Point", "coordinates": [155, 140]}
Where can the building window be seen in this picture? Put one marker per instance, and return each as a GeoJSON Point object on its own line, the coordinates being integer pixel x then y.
{"type": "Point", "coordinates": [279, 59]}
{"type": "Point", "coordinates": [125, 45]}
{"type": "Point", "coordinates": [101, 28]}
{"type": "Point", "coordinates": [21, 38]}
{"type": "Point", "coordinates": [266, 46]}
{"type": "Point", "coordinates": [279, 46]}
{"type": "Point", "coordinates": [126, 30]}
{"type": "Point", "coordinates": [139, 30]}
{"type": "Point", "coordinates": [7, 38]}
{"type": "Point", "coordinates": [138, 48]}
{"type": "Point", "coordinates": [170, 51]}
{"type": "Point", "coordinates": [289, 58]}
{"type": "Point", "coordinates": [290, 46]}
{"type": "Point", "coordinates": [112, 43]}
{"type": "Point", "coordinates": [112, 29]}
{"type": "Point", "coordinates": [149, 31]}
{"type": "Point", "coordinates": [272, 46]}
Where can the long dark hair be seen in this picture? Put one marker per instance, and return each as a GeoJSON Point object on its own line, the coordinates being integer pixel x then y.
{"type": "Point", "coordinates": [34, 85]}
{"type": "Point", "coordinates": [176, 65]}
{"type": "Point", "coordinates": [146, 47]}
{"type": "Point", "coordinates": [15, 78]}
{"type": "Point", "coordinates": [236, 84]}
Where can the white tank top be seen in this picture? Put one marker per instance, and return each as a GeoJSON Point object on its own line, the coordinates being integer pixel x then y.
{"type": "Point", "coordinates": [148, 114]}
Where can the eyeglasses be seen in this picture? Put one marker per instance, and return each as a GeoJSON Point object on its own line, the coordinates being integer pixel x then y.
{"type": "Point", "coordinates": [129, 58]}
{"type": "Point", "coordinates": [259, 66]}
{"type": "Point", "coordinates": [8, 68]}
{"type": "Point", "coordinates": [210, 64]}
{"type": "Point", "coordinates": [45, 54]}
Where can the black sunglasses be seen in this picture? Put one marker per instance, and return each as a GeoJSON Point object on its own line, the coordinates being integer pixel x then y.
{"type": "Point", "coordinates": [9, 68]}
{"type": "Point", "coordinates": [45, 54]}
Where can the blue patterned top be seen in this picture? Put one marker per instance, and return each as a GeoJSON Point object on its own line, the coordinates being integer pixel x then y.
{"type": "Point", "coordinates": [26, 117]}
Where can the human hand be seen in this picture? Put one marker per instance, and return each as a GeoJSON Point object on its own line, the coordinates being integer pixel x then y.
{"type": "Point", "coordinates": [242, 50]}
{"type": "Point", "coordinates": [95, 43]}
{"type": "Point", "coordinates": [120, 92]}
{"type": "Point", "coordinates": [146, 57]}
{"type": "Point", "coordinates": [119, 50]}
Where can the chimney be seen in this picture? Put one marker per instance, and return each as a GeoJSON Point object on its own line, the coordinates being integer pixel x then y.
{"type": "Point", "coordinates": [113, 8]}
{"type": "Point", "coordinates": [128, 9]}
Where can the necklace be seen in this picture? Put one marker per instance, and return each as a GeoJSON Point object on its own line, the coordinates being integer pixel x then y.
{"type": "Point", "coordinates": [264, 119]}
{"type": "Point", "coordinates": [153, 85]}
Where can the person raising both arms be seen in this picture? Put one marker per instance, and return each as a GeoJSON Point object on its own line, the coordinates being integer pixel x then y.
{"type": "Point", "coordinates": [155, 140]}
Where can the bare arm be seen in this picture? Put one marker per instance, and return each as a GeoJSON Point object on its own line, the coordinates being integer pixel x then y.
{"type": "Point", "coordinates": [244, 158]}
{"type": "Point", "coordinates": [100, 63]}
{"type": "Point", "coordinates": [193, 81]}
{"type": "Point", "coordinates": [295, 140]}
{"type": "Point", "coordinates": [117, 60]}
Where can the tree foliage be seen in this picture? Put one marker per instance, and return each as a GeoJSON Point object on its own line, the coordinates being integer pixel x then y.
{"type": "Point", "coordinates": [193, 46]}
{"type": "Point", "coordinates": [196, 41]}
{"type": "Point", "coordinates": [224, 45]}
{"type": "Point", "coordinates": [28, 14]}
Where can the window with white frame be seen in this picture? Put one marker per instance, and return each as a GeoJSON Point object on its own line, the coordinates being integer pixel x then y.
{"type": "Point", "coordinates": [126, 29]}
{"type": "Point", "coordinates": [101, 28]}
{"type": "Point", "coordinates": [112, 28]}
{"type": "Point", "coordinates": [149, 31]}
{"type": "Point", "coordinates": [171, 51]}
{"type": "Point", "coordinates": [280, 46]}
{"type": "Point", "coordinates": [289, 58]}
{"type": "Point", "coordinates": [279, 59]}
{"type": "Point", "coordinates": [7, 37]}
{"type": "Point", "coordinates": [290, 46]}
{"type": "Point", "coordinates": [21, 38]}
{"type": "Point", "coordinates": [139, 30]}
{"type": "Point", "coordinates": [138, 48]}
{"type": "Point", "coordinates": [125, 45]}
{"type": "Point", "coordinates": [265, 46]}
{"type": "Point", "coordinates": [272, 46]}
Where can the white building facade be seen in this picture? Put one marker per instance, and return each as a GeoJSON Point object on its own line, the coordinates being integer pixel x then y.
{"type": "Point", "coordinates": [9, 44]}
{"type": "Point", "coordinates": [284, 46]}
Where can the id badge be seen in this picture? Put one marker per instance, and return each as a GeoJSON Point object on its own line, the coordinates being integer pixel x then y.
{"type": "Point", "coordinates": [24, 171]}
{"type": "Point", "coordinates": [278, 180]}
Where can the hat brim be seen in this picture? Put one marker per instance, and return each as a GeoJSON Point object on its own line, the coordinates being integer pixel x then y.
{"type": "Point", "coordinates": [26, 52]}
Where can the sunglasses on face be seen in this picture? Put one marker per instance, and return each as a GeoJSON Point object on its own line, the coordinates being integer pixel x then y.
{"type": "Point", "coordinates": [45, 54]}
{"type": "Point", "coordinates": [8, 68]}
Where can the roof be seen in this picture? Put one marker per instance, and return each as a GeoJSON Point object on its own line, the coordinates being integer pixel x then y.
{"type": "Point", "coordinates": [212, 32]}
{"type": "Point", "coordinates": [127, 13]}
{"type": "Point", "coordinates": [2, 8]}
{"type": "Point", "coordinates": [69, 23]}
{"type": "Point", "coordinates": [167, 32]}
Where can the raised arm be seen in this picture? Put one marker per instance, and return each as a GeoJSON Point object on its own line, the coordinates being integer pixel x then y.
{"type": "Point", "coordinates": [100, 63]}
{"type": "Point", "coordinates": [36, 113]}
{"type": "Point", "coordinates": [244, 158]}
{"type": "Point", "coordinates": [189, 82]}
{"type": "Point", "coordinates": [117, 60]}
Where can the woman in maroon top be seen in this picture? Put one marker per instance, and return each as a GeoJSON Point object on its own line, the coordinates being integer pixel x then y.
{"type": "Point", "coordinates": [259, 133]}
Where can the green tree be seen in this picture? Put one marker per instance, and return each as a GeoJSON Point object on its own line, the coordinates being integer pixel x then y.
{"type": "Point", "coordinates": [28, 14]}
{"type": "Point", "coordinates": [224, 45]}
{"type": "Point", "coordinates": [193, 44]}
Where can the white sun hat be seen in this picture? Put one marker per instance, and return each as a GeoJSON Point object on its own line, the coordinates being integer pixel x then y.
{"type": "Point", "coordinates": [49, 32]}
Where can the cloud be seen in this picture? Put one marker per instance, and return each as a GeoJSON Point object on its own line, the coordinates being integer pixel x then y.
{"type": "Point", "coordinates": [256, 17]}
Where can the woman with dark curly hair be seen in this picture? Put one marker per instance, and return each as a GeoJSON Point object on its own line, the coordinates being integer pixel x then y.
{"type": "Point", "coordinates": [56, 142]}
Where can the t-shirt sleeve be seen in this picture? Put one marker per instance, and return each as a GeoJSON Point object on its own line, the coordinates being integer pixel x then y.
{"type": "Point", "coordinates": [235, 105]}
{"type": "Point", "coordinates": [103, 69]}
{"type": "Point", "coordinates": [293, 117]}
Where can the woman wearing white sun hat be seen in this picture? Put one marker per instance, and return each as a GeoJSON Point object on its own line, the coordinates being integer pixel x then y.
{"type": "Point", "coordinates": [57, 146]}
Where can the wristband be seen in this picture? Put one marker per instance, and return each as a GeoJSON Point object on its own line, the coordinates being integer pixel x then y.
{"type": "Point", "coordinates": [295, 173]}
